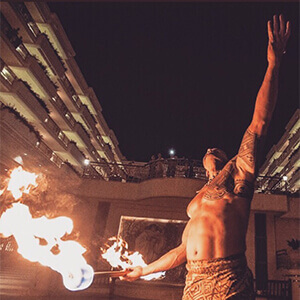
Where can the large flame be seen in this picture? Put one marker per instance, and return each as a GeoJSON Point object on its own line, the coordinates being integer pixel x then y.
{"type": "Point", "coordinates": [118, 256]}
{"type": "Point", "coordinates": [20, 182]}
{"type": "Point", "coordinates": [39, 239]}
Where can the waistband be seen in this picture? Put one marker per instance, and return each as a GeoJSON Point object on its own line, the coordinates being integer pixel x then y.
{"type": "Point", "coordinates": [217, 264]}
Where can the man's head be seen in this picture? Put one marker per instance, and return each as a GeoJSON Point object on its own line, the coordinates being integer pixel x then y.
{"type": "Point", "coordinates": [214, 160]}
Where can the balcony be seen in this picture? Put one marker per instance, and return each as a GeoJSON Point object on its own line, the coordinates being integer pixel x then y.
{"type": "Point", "coordinates": [69, 95]}
{"type": "Point", "coordinates": [33, 73]}
{"type": "Point", "coordinates": [139, 172]}
{"type": "Point", "coordinates": [30, 100]}
{"type": "Point", "coordinates": [16, 20]}
{"type": "Point", "coordinates": [76, 153]}
{"type": "Point", "coordinates": [50, 55]}
{"type": "Point", "coordinates": [8, 76]}
{"type": "Point", "coordinates": [63, 111]}
{"type": "Point", "coordinates": [20, 95]}
{"type": "Point", "coordinates": [24, 15]}
{"type": "Point", "coordinates": [12, 48]}
{"type": "Point", "coordinates": [79, 135]}
{"type": "Point", "coordinates": [94, 154]}
{"type": "Point", "coordinates": [108, 152]}
{"type": "Point", "coordinates": [274, 289]}
{"type": "Point", "coordinates": [89, 119]}
{"type": "Point", "coordinates": [55, 132]}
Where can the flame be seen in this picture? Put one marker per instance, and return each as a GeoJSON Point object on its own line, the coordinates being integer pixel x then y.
{"type": "Point", "coordinates": [118, 256]}
{"type": "Point", "coordinates": [20, 182]}
{"type": "Point", "coordinates": [39, 239]}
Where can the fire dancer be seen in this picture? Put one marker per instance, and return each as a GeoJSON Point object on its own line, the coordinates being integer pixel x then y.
{"type": "Point", "coordinates": [213, 242]}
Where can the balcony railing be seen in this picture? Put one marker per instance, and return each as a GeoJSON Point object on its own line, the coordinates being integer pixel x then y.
{"type": "Point", "coordinates": [10, 32]}
{"type": "Point", "coordinates": [138, 172]}
{"type": "Point", "coordinates": [7, 73]}
{"type": "Point", "coordinates": [179, 168]}
{"type": "Point", "coordinates": [21, 8]}
{"type": "Point", "coordinates": [52, 126]}
{"type": "Point", "coordinates": [62, 108]}
{"type": "Point", "coordinates": [274, 289]}
{"type": "Point", "coordinates": [287, 260]}
{"type": "Point", "coordinates": [274, 185]}
{"type": "Point", "coordinates": [55, 51]}
{"type": "Point", "coordinates": [70, 90]}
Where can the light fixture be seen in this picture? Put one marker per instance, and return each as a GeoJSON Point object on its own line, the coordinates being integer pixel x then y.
{"type": "Point", "coordinates": [18, 159]}
{"type": "Point", "coordinates": [86, 162]}
{"type": "Point", "coordinates": [172, 151]}
{"type": "Point", "coordinates": [285, 178]}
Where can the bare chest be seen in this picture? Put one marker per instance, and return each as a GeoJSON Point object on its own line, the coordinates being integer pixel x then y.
{"type": "Point", "coordinates": [228, 189]}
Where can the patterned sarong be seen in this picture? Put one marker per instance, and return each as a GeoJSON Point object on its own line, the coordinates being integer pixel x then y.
{"type": "Point", "coordinates": [221, 278]}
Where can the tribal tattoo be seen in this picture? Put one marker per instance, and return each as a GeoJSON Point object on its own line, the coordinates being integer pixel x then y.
{"type": "Point", "coordinates": [248, 148]}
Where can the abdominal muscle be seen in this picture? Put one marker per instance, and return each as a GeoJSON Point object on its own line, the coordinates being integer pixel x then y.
{"type": "Point", "coordinates": [217, 229]}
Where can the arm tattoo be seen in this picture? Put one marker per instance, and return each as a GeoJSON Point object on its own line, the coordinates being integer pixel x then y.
{"type": "Point", "coordinates": [244, 188]}
{"type": "Point", "coordinates": [248, 149]}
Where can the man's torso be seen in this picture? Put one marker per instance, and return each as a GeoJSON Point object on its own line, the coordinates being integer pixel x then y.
{"type": "Point", "coordinates": [219, 216]}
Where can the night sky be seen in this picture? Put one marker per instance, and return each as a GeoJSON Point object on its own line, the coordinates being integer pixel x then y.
{"type": "Point", "coordinates": [181, 75]}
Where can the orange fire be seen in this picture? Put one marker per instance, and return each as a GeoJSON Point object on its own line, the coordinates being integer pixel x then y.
{"type": "Point", "coordinates": [21, 182]}
{"type": "Point", "coordinates": [39, 239]}
{"type": "Point", "coordinates": [118, 256]}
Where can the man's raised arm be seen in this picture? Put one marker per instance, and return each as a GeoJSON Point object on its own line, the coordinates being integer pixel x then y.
{"type": "Point", "coordinates": [267, 95]}
{"type": "Point", "coordinates": [247, 161]}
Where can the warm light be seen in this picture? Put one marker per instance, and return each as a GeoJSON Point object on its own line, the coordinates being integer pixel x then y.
{"type": "Point", "coordinates": [86, 162]}
{"type": "Point", "coordinates": [21, 182]}
{"type": "Point", "coordinates": [285, 178]}
{"type": "Point", "coordinates": [18, 159]}
{"type": "Point", "coordinates": [118, 256]}
{"type": "Point", "coordinates": [40, 239]}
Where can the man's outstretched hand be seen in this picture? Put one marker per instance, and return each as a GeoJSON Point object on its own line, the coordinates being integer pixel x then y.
{"type": "Point", "coordinates": [278, 37]}
{"type": "Point", "coordinates": [135, 274]}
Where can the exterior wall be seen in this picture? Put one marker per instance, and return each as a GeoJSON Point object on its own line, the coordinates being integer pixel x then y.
{"type": "Point", "coordinates": [286, 229]}
{"type": "Point", "coordinates": [271, 247]}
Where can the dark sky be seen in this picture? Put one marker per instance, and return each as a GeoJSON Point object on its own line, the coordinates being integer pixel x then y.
{"type": "Point", "coordinates": [181, 75]}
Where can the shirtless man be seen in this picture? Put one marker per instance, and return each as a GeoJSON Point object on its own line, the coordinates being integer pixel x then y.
{"type": "Point", "coordinates": [213, 242]}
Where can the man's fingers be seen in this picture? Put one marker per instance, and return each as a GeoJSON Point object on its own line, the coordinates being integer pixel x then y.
{"type": "Point", "coordinates": [270, 32]}
{"type": "Point", "coordinates": [275, 25]}
{"type": "Point", "coordinates": [288, 30]}
{"type": "Point", "coordinates": [282, 25]}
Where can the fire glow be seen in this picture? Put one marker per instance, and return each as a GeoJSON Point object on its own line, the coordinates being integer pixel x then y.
{"type": "Point", "coordinates": [21, 182]}
{"type": "Point", "coordinates": [119, 256]}
{"type": "Point", "coordinates": [39, 239]}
